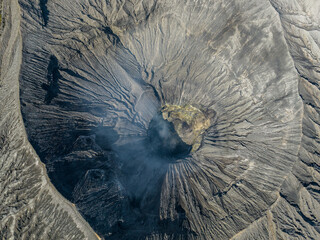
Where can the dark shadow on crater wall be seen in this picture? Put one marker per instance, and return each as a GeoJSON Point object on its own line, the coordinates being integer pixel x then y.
{"type": "Point", "coordinates": [44, 11]}
{"type": "Point", "coordinates": [53, 76]}
{"type": "Point", "coordinates": [85, 152]}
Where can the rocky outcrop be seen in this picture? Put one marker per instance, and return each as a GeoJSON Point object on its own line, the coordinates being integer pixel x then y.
{"type": "Point", "coordinates": [234, 83]}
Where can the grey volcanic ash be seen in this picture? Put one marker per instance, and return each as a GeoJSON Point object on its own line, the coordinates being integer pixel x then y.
{"type": "Point", "coordinates": [174, 119]}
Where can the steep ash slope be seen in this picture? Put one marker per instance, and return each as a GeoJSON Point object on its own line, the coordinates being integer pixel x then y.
{"type": "Point", "coordinates": [176, 119]}
{"type": "Point", "coordinates": [30, 207]}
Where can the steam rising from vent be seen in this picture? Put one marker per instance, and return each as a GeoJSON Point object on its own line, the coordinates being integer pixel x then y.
{"type": "Point", "coordinates": [164, 140]}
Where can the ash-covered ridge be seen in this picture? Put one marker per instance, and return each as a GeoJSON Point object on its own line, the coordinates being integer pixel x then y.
{"type": "Point", "coordinates": [175, 119]}
{"type": "Point", "coordinates": [30, 206]}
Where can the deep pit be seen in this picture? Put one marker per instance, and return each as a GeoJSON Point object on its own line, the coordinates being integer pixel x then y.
{"type": "Point", "coordinates": [164, 140]}
{"type": "Point", "coordinates": [178, 130]}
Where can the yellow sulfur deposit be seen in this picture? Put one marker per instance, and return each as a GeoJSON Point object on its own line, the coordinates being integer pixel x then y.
{"type": "Point", "coordinates": [189, 122]}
